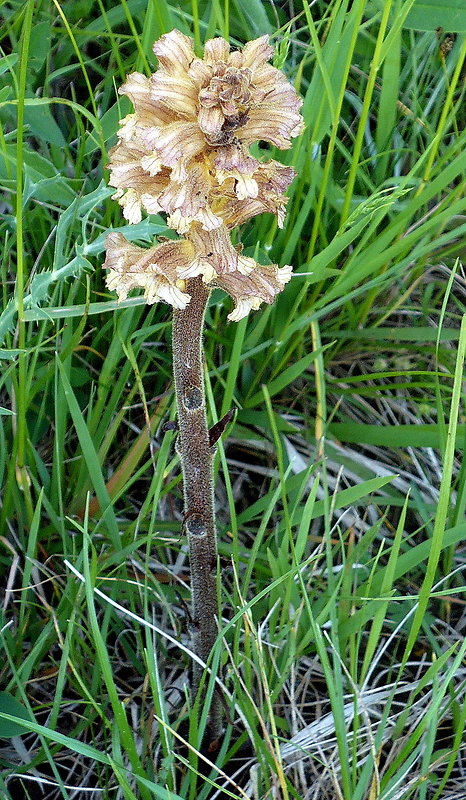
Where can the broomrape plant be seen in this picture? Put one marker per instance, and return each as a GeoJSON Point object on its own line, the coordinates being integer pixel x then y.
{"type": "Point", "coordinates": [185, 152]}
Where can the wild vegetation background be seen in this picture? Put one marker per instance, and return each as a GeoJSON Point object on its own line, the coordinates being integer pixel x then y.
{"type": "Point", "coordinates": [341, 484]}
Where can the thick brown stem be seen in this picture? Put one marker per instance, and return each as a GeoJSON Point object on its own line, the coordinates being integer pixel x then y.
{"type": "Point", "coordinates": [196, 461]}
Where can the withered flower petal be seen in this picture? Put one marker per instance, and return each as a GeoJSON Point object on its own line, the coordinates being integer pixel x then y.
{"type": "Point", "coordinates": [243, 306]}
{"type": "Point", "coordinates": [139, 173]}
{"type": "Point", "coordinates": [237, 212]}
{"type": "Point", "coordinates": [151, 164]}
{"type": "Point", "coordinates": [175, 52]}
{"type": "Point", "coordinates": [137, 88]}
{"type": "Point", "coordinates": [132, 167]}
{"type": "Point", "coordinates": [216, 51]}
{"type": "Point", "coordinates": [257, 51]}
{"type": "Point", "coordinates": [215, 247]}
{"type": "Point", "coordinates": [174, 92]}
{"type": "Point", "coordinates": [235, 157]}
{"type": "Point", "coordinates": [188, 201]}
{"type": "Point", "coordinates": [148, 113]}
{"type": "Point", "coordinates": [189, 196]}
{"type": "Point", "coordinates": [200, 266]}
{"type": "Point", "coordinates": [177, 142]}
{"type": "Point", "coordinates": [185, 151]}
{"type": "Point", "coordinates": [243, 186]}
{"type": "Point", "coordinates": [210, 121]}
{"type": "Point", "coordinates": [200, 72]}
{"type": "Point", "coordinates": [271, 179]}
{"type": "Point", "coordinates": [260, 285]}
{"type": "Point", "coordinates": [271, 124]}
{"type": "Point", "coordinates": [151, 203]}
{"type": "Point", "coordinates": [274, 177]}
{"type": "Point", "coordinates": [155, 270]}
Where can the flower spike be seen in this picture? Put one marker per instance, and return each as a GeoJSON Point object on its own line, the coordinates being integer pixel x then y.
{"type": "Point", "coordinates": [184, 152]}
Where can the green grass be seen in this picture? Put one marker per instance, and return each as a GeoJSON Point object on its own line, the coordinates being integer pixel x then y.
{"type": "Point", "coordinates": [341, 483]}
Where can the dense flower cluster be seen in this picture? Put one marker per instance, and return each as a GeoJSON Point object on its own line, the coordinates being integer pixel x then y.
{"type": "Point", "coordinates": [185, 152]}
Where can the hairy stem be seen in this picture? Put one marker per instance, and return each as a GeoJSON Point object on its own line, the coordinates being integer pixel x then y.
{"type": "Point", "coordinates": [196, 461]}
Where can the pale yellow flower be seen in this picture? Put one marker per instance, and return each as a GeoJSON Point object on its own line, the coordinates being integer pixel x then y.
{"type": "Point", "coordinates": [162, 270]}
{"type": "Point", "coordinates": [154, 269]}
{"type": "Point", "coordinates": [184, 152]}
{"type": "Point", "coordinates": [197, 117]}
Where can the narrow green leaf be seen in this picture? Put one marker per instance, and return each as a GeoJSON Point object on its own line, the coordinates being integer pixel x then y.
{"type": "Point", "coordinates": [428, 15]}
{"type": "Point", "coordinates": [386, 590]}
{"type": "Point", "coordinates": [290, 374]}
{"type": "Point", "coordinates": [344, 498]}
{"type": "Point", "coordinates": [43, 125]}
{"type": "Point", "coordinates": [255, 15]}
{"type": "Point", "coordinates": [437, 542]}
{"type": "Point", "coordinates": [91, 458]}
{"type": "Point", "coordinates": [85, 750]}
{"type": "Point", "coordinates": [10, 705]}
{"type": "Point", "coordinates": [37, 169]}
{"type": "Point", "coordinates": [390, 435]}
{"type": "Point", "coordinates": [406, 563]}
{"type": "Point", "coordinates": [8, 62]}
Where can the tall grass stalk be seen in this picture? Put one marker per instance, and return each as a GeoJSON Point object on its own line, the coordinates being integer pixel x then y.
{"type": "Point", "coordinates": [20, 398]}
